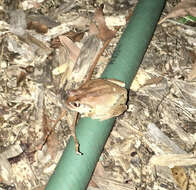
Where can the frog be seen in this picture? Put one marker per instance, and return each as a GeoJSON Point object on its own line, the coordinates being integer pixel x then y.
{"type": "Point", "coordinates": [100, 99]}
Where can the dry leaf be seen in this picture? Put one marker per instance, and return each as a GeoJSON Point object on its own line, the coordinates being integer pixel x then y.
{"type": "Point", "coordinates": [100, 28]}
{"type": "Point", "coordinates": [74, 51]}
{"type": "Point", "coordinates": [183, 8]}
{"type": "Point", "coordinates": [180, 177]}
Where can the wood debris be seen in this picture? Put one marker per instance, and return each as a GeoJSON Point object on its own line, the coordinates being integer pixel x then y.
{"type": "Point", "coordinates": [152, 146]}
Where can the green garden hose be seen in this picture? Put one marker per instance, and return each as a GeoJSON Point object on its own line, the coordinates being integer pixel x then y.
{"type": "Point", "coordinates": [74, 171]}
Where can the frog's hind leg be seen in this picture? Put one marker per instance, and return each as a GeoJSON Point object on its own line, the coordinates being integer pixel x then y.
{"type": "Point", "coordinates": [119, 110]}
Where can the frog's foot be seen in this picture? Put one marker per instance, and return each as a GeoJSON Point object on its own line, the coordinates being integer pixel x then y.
{"type": "Point", "coordinates": [78, 151]}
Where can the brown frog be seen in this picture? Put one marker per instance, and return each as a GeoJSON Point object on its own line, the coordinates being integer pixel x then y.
{"type": "Point", "coordinates": [99, 99]}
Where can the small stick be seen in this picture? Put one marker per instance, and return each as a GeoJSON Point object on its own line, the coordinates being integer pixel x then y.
{"type": "Point", "coordinates": [63, 113]}
{"type": "Point", "coordinates": [52, 129]}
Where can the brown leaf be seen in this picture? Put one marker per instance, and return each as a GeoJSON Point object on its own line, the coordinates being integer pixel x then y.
{"type": "Point", "coordinates": [100, 28]}
{"type": "Point", "coordinates": [73, 49]}
{"type": "Point", "coordinates": [180, 177]}
{"type": "Point", "coordinates": [183, 8]}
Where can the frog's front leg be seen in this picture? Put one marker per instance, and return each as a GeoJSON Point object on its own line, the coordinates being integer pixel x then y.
{"type": "Point", "coordinates": [72, 125]}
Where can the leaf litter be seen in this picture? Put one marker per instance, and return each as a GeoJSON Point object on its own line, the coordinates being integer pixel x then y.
{"type": "Point", "coordinates": [35, 71]}
{"type": "Point", "coordinates": [185, 7]}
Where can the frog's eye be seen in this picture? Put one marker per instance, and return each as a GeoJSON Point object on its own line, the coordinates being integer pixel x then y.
{"type": "Point", "coordinates": [76, 104]}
